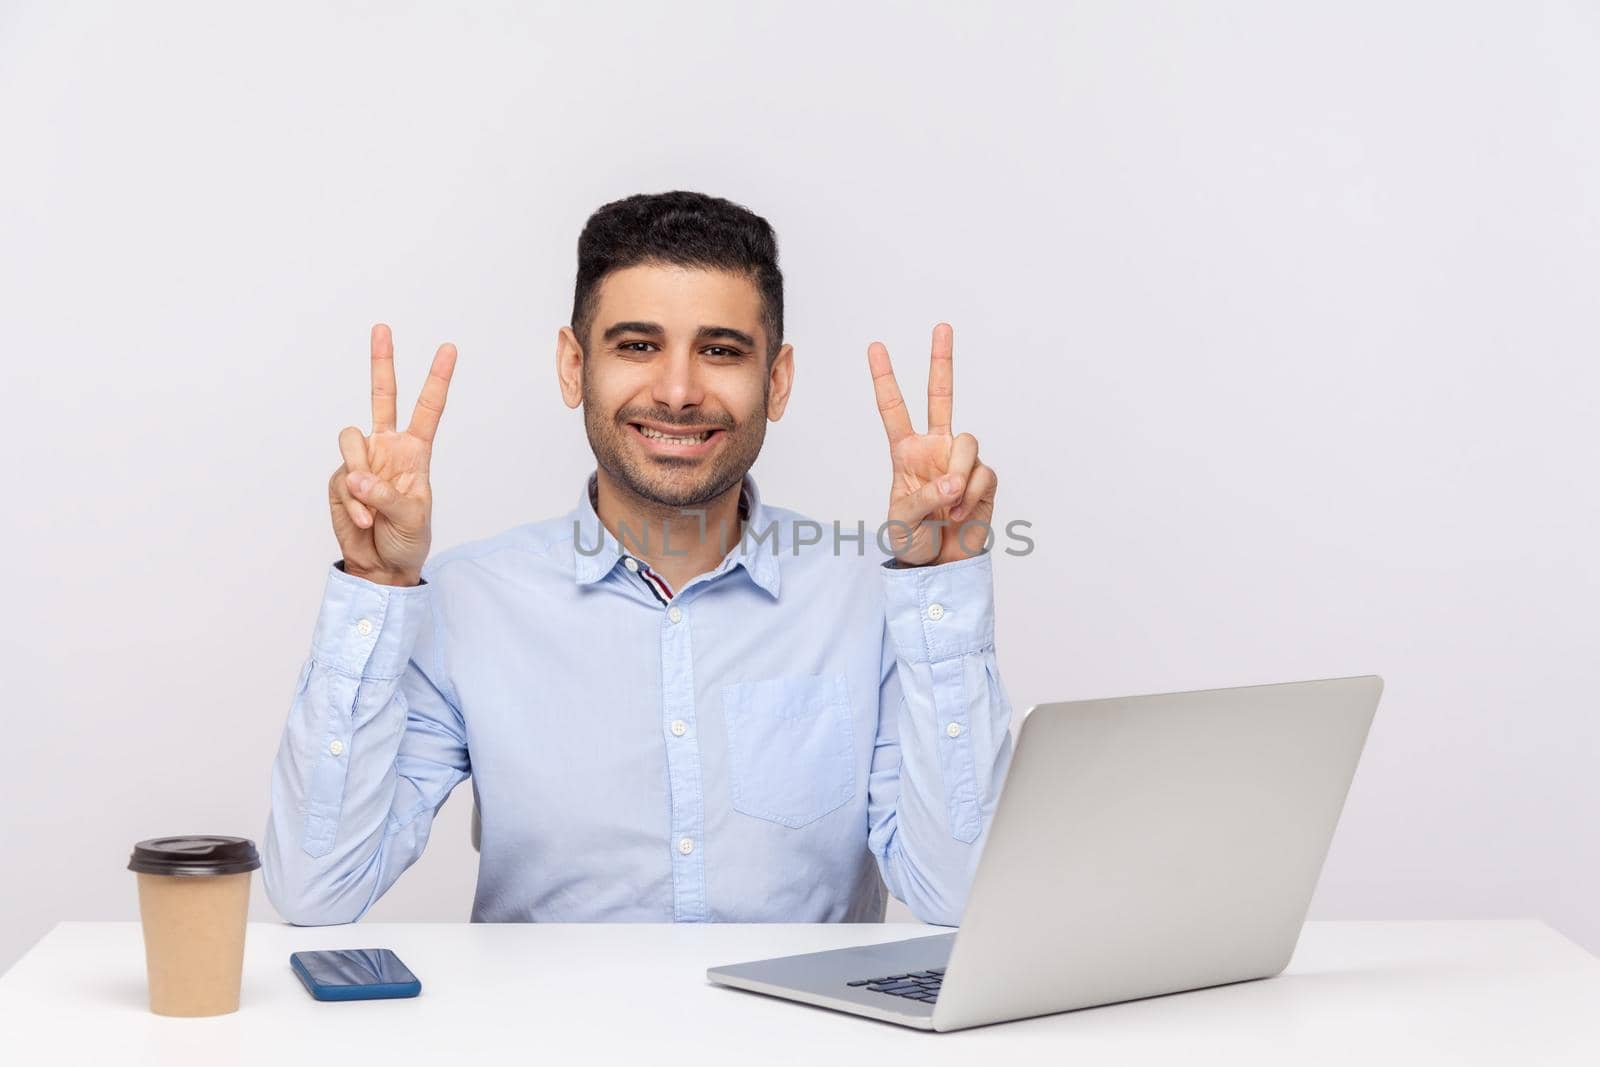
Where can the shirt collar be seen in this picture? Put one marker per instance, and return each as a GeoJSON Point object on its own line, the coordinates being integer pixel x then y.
{"type": "Point", "coordinates": [758, 558]}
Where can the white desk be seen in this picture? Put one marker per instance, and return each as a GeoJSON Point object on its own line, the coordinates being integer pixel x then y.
{"type": "Point", "coordinates": [1356, 993]}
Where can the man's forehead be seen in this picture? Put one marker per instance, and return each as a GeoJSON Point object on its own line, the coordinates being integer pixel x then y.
{"type": "Point", "coordinates": [678, 296]}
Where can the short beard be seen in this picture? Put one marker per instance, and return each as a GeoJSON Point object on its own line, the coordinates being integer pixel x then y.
{"type": "Point", "coordinates": [737, 455]}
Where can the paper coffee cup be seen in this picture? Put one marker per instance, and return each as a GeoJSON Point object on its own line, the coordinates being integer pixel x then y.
{"type": "Point", "coordinates": [194, 895]}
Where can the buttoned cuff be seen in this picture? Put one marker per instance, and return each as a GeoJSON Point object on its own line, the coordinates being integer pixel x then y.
{"type": "Point", "coordinates": [365, 629]}
{"type": "Point", "coordinates": [940, 611]}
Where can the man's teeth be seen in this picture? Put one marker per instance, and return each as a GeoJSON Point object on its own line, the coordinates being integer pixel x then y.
{"type": "Point", "coordinates": [659, 436]}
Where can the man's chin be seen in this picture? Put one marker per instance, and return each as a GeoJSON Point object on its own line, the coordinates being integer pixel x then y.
{"type": "Point", "coordinates": [694, 488]}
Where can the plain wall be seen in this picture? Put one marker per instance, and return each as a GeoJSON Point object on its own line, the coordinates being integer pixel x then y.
{"type": "Point", "coordinates": [1278, 322]}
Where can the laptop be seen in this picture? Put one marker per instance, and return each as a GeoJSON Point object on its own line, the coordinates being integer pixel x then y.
{"type": "Point", "coordinates": [1141, 846]}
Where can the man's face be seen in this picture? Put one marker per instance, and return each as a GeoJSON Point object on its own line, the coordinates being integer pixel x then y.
{"type": "Point", "coordinates": [676, 389]}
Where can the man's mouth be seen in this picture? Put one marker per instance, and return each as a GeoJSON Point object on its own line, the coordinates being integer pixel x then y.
{"type": "Point", "coordinates": [676, 440]}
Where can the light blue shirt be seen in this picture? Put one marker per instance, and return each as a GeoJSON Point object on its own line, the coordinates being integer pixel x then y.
{"type": "Point", "coordinates": [790, 734]}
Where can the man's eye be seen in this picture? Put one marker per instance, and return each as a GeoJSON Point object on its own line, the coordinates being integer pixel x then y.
{"type": "Point", "coordinates": [723, 350]}
{"type": "Point", "coordinates": [635, 346]}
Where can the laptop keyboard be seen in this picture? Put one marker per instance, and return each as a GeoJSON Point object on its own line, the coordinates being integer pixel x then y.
{"type": "Point", "coordinates": [913, 985]}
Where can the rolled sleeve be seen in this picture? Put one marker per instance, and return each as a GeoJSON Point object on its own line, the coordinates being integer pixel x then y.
{"type": "Point", "coordinates": [368, 630]}
{"type": "Point", "coordinates": [941, 611]}
{"type": "Point", "coordinates": [952, 725]}
{"type": "Point", "coordinates": [370, 750]}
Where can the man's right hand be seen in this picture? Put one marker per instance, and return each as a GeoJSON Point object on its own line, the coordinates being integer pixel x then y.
{"type": "Point", "coordinates": [382, 506]}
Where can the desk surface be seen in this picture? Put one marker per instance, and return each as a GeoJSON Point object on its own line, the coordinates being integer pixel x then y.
{"type": "Point", "coordinates": [1415, 992]}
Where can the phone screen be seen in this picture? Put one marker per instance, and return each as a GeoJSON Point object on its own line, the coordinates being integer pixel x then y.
{"type": "Point", "coordinates": [355, 967]}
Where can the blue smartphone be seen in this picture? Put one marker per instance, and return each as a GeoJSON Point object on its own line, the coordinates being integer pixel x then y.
{"type": "Point", "coordinates": [354, 974]}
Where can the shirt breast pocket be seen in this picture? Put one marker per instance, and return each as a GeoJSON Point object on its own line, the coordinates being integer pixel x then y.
{"type": "Point", "coordinates": [791, 747]}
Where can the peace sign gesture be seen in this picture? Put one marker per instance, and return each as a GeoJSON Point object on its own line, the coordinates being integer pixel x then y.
{"type": "Point", "coordinates": [942, 498]}
{"type": "Point", "coordinates": [380, 499]}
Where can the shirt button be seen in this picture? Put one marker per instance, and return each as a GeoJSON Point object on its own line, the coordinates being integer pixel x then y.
{"type": "Point", "coordinates": [935, 611]}
{"type": "Point", "coordinates": [364, 627]}
{"type": "Point", "coordinates": [679, 727]}
{"type": "Point", "coordinates": [953, 730]}
{"type": "Point", "coordinates": [631, 563]}
{"type": "Point", "coordinates": [685, 845]}
{"type": "Point", "coordinates": [675, 613]}
{"type": "Point", "coordinates": [337, 747]}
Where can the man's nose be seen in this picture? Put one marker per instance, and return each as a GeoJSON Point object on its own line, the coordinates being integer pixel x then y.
{"type": "Point", "coordinates": [677, 382]}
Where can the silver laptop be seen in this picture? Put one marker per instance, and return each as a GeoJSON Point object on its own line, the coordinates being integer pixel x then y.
{"type": "Point", "coordinates": [1141, 845]}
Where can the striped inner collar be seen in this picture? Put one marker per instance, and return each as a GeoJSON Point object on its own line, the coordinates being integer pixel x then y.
{"type": "Point", "coordinates": [654, 582]}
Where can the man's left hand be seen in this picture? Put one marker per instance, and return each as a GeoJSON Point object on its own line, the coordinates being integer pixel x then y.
{"type": "Point", "coordinates": [938, 478]}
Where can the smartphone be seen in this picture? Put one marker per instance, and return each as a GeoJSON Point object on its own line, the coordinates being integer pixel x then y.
{"type": "Point", "coordinates": [354, 974]}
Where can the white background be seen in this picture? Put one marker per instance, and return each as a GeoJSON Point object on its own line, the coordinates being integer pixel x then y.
{"type": "Point", "coordinates": [1278, 322]}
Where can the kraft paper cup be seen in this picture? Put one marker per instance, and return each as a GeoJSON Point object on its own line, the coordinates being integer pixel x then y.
{"type": "Point", "coordinates": [194, 895]}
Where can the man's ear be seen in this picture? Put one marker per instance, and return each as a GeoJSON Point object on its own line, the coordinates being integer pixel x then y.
{"type": "Point", "coordinates": [569, 366]}
{"type": "Point", "coordinates": [781, 376]}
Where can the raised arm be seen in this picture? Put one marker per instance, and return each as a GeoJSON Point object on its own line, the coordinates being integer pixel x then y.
{"type": "Point", "coordinates": [374, 742]}
{"type": "Point", "coordinates": [943, 744]}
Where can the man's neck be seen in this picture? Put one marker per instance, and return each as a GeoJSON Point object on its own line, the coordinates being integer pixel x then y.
{"type": "Point", "coordinates": [676, 545]}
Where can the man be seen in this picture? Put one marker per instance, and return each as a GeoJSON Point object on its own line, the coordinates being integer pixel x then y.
{"type": "Point", "coordinates": [676, 702]}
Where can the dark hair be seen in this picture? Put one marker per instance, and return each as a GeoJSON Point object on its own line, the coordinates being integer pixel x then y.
{"type": "Point", "coordinates": [685, 229]}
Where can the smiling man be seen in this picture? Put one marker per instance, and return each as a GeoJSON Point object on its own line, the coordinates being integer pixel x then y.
{"type": "Point", "coordinates": [676, 702]}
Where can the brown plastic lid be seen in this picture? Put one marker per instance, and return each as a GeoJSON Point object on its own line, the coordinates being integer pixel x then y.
{"type": "Point", "coordinates": [194, 854]}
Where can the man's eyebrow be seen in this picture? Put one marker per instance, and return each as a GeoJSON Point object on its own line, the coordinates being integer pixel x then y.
{"type": "Point", "coordinates": [617, 329]}
{"type": "Point", "coordinates": [725, 333]}
{"type": "Point", "coordinates": [654, 329]}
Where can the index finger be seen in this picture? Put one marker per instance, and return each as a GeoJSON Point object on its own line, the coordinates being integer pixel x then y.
{"type": "Point", "coordinates": [430, 405]}
{"type": "Point", "coordinates": [891, 405]}
{"type": "Point", "coordinates": [382, 379]}
{"type": "Point", "coordinates": [941, 393]}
